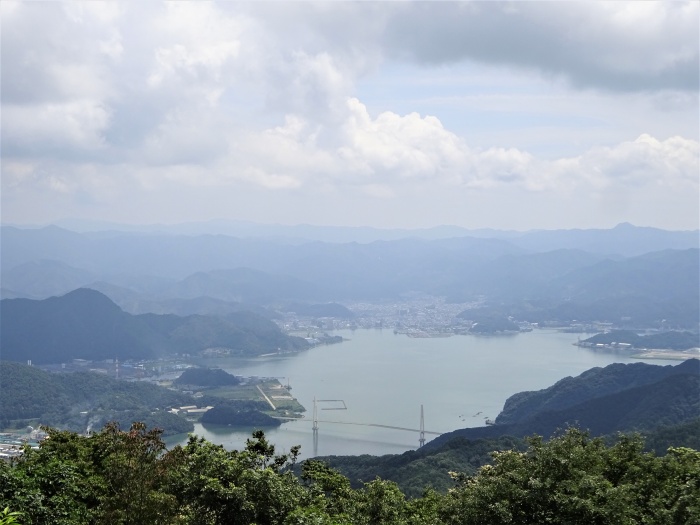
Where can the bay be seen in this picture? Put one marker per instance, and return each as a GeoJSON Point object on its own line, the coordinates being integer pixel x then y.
{"type": "Point", "coordinates": [383, 379]}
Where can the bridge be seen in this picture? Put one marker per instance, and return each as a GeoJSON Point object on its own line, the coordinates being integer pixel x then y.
{"type": "Point", "coordinates": [376, 425]}
{"type": "Point", "coordinates": [287, 418]}
{"type": "Point", "coordinates": [339, 404]}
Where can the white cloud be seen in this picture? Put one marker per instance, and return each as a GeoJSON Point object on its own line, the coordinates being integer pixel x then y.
{"type": "Point", "coordinates": [76, 126]}
{"type": "Point", "coordinates": [101, 99]}
{"type": "Point", "coordinates": [673, 162]}
{"type": "Point", "coordinates": [201, 42]}
{"type": "Point", "coordinates": [409, 146]}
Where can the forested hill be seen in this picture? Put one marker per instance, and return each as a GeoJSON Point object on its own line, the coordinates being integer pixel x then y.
{"type": "Point", "coordinates": [594, 383]}
{"type": "Point", "coordinates": [661, 402]}
{"type": "Point", "coordinates": [86, 324]}
{"type": "Point", "coordinates": [615, 398]}
{"type": "Point", "coordinates": [79, 400]}
{"type": "Point", "coordinates": [666, 340]}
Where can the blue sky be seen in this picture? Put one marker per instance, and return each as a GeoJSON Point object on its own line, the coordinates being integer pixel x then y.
{"type": "Point", "coordinates": [513, 115]}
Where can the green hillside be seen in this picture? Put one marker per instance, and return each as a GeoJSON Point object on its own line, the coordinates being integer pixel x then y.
{"type": "Point", "coordinates": [663, 403]}
{"type": "Point", "coordinates": [80, 400]}
{"type": "Point", "coordinates": [85, 324]}
{"type": "Point", "coordinates": [665, 340]}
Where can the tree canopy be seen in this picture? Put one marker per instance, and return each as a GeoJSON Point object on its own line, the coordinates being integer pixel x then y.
{"type": "Point", "coordinates": [128, 477]}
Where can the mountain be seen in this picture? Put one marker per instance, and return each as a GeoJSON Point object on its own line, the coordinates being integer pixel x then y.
{"type": "Point", "coordinates": [605, 401]}
{"type": "Point", "coordinates": [86, 324]}
{"type": "Point", "coordinates": [665, 340]}
{"type": "Point", "coordinates": [654, 289]}
{"type": "Point", "coordinates": [518, 276]}
{"type": "Point", "coordinates": [663, 402]}
{"type": "Point", "coordinates": [298, 233]}
{"type": "Point", "coordinates": [243, 285]}
{"type": "Point", "coordinates": [44, 278]}
{"type": "Point", "coordinates": [591, 384]}
{"type": "Point", "coordinates": [81, 324]}
{"type": "Point", "coordinates": [624, 240]}
{"type": "Point", "coordinates": [667, 274]}
{"type": "Point", "coordinates": [79, 400]}
{"type": "Point", "coordinates": [207, 377]}
{"type": "Point", "coordinates": [320, 310]}
{"type": "Point", "coordinates": [659, 289]}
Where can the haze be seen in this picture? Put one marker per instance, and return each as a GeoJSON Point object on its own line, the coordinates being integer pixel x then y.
{"type": "Point", "coordinates": [393, 115]}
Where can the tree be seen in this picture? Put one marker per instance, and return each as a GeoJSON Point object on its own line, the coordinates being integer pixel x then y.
{"type": "Point", "coordinates": [574, 479]}
{"type": "Point", "coordinates": [135, 468]}
{"type": "Point", "coordinates": [216, 486]}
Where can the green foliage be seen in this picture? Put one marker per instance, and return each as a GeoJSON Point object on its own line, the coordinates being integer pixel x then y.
{"type": "Point", "coordinates": [238, 413]}
{"type": "Point", "coordinates": [206, 377]}
{"type": "Point", "coordinates": [110, 477]}
{"type": "Point", "coordinates": [8, 517]}
{"type": "Point", "coordinates": [574, 479]}
{"type": "Point", "coordinates": [59, 400]}
{"type": "Point", "coordinates": [127, 477]}
{"type": "Point", "coordinates": [427, 467]}
{"type": "Point", "coordinates": [570, 391]}
{"type": "Point", "coordinates": [216, 486]}
{"type": "Point", "coordinates": [683, 435]}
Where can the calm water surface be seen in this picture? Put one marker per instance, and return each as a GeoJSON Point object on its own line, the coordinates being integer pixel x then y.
{"type": "Point", "coordinates": [384, 378]}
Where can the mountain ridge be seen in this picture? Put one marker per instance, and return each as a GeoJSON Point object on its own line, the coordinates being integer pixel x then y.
{"type": "Point", "coordinates": [86, 324]}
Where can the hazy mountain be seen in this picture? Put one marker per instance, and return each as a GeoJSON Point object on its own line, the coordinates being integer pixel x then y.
{"type": "Point", "coordinates": [519, 276]}
{"type": "Point", "coordinates": [44, 278]}
{"type": "Point", "coordinates": [624, 240]}
{"type": "Point", "coordinates": [667, 274]}
{"type": "Point", "coordinates": [320, 310]}
{"type": "Point", "coordinates": [300, 233]}
{"type": "Point", "coordinates": [20, 246]}
{"type": "Point", "coordinates": [170, 255]}
{"type": "Point", "coordinates": [657, 289]}
{"type": "Point", "coordinates": [88, 325]}
{"type": "Point", "coordinates": [243, 285]}
{"type": "Point", "coordinates": [566, 283]}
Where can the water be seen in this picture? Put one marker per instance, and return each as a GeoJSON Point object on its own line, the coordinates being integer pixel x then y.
{"type": "Point", "coordinates": [384, 378]}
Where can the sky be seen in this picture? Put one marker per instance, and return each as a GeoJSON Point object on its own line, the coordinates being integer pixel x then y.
{"type": "Point", "coordinates": [516, 115]}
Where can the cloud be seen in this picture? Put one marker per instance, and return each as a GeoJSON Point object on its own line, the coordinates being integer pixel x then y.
{"type": "Point", "coordinates": [626, 46]}
{"type": "Point", "coordinates": [105, 100]}
{"type": "Point", "coordinates": [673, 162]}
{"type": "Point", "coordinates": [69, 57]}
{"type": "Point", "coordinates": [391, 150]}
{"type": "Point", "coordinates": [407, 146]}
{"type": "Point", "coordinates": [64, 128]}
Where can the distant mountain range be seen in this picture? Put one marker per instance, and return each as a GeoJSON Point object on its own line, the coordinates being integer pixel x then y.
{"type": "Point", "coordinates": [649, 277]}
{"type": "Point", "coordinates": [86, 324]}
{"type": "Point", "coordinates": [632, 240]}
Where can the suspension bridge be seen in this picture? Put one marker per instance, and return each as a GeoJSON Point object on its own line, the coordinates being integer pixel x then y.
{"type": "Point", "coordinates": [339, 404]}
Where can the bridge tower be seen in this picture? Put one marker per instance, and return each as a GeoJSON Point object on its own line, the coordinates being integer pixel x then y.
{"type": "Point", "coordinates": [315, 427]}
{"type": "Point", "coordinates": [421, 440]}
